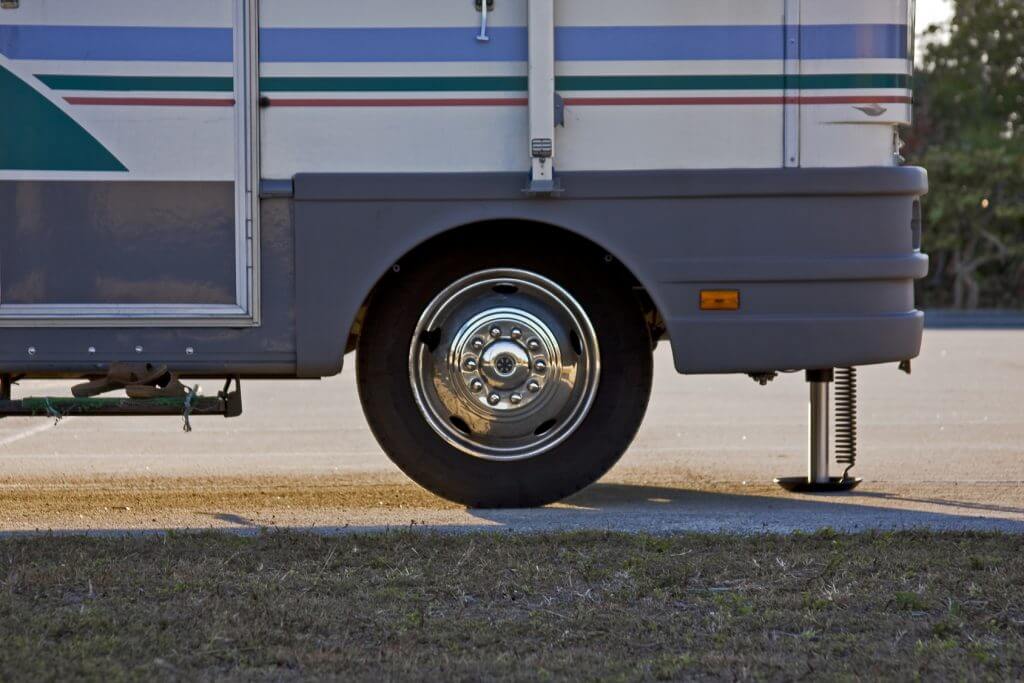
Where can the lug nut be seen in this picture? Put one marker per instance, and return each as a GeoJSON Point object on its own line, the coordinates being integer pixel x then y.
{"type": "Point", "coordinates": [533, 386]}
{"type": "Point", "coordinates": [495, 331]}
{"type": "Point", "coordinates": [493, 399]}
{"type": "Point", "coordinates": [533, 345]}
{"type": "Point", "coordinates": [516, 399]}
{"type": "Point", "coordinates": [476, 385]}
{"type": "Point", "coordinates": [478, 343]}
{"type": "Point", "coordinates": [516, 333]}
{"type": "Point", "coordinates": [469, 364]}
{"type": "Point", "coordinates": [540, 366]}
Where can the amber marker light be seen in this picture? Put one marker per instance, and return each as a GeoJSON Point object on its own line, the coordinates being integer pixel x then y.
{"type": "Point", "coordinates": [719, 300]}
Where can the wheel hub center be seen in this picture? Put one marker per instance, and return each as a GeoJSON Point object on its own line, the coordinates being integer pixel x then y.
{"type": "Point", "coordinates": [505, 357]}
{"type": "Point", "coordinates": [505, 364]}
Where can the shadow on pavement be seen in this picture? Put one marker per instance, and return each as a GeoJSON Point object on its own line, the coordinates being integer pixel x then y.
{"type": "Point", "coordinates": [610, 495]}
{"type": "Point", "coordinates": [660, 509]}
{"type": "Point", "coordinates": [632, 508]}
{"type": "Point", "coordinates": [237, 520]}
{"type": "Point", "coordinates": [990, 507]}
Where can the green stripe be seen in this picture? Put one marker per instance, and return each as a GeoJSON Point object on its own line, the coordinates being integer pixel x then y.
{"type": "Point", "coordinates": [477, 83]}
{"type": "Point", "coordinates": [140, 83]}
{"type": "Point", "coordinates": [845, 81]}
{"type": "Point", "coordinates": [764, 82]}
{"type": "Point", "coordinates": [394, 84]}
{"type": "Point", "coordinates": [583, 83]}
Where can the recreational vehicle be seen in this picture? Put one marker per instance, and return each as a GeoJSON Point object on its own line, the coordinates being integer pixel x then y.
{"type": "Point", "coordinates": [499, 207]}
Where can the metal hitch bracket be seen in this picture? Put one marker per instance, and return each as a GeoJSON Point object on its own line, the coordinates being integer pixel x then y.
{"type": "Point", "coordinates": [227, 403]}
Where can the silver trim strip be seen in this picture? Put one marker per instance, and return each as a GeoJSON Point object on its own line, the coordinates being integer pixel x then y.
{"type": "Point", "coordinates": [122, 315]}
{"type": "Point", "coordinates": [791, 21]}
{"type": "Point", "coordinates": [541, 68]}
{"type": "Point", "coordinates": [250, 96]}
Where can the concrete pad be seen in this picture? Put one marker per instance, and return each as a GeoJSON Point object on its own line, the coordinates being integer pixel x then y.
{"type": "Point", "coordinates": [943, 448]}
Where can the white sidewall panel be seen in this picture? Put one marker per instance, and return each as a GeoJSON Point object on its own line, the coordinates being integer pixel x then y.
{"type": "Point", "coordinates": [340, 128]}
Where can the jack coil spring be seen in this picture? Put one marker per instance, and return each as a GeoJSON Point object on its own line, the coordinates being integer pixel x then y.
{"type": "Point", "coordinates": [846, 418]}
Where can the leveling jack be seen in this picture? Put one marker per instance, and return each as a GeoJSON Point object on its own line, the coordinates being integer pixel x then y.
{"type": "Point", "coordinates": [818, 479]}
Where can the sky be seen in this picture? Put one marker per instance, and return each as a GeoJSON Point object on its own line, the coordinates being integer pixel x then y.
{"type": "Point", "coordinates": [933, 12]}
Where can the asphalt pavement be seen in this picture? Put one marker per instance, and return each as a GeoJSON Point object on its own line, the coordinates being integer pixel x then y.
{"type": "Point", "coordinates": [942, 449]}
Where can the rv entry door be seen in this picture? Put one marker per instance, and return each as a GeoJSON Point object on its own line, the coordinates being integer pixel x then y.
{"type": "Point", "coordinates": [126, 159]}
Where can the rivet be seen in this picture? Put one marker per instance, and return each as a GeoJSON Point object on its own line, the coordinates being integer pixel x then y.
{"type": "Point", "coordinates": [478, 343]}
{"type": "Point", "coordinates": [533, 386]}
{"type": "Point", "coordinates": [476, 385]}
{"type": "Point", "coordinates": [516, 399]}
{"type": "Point", "coordinates": [493, 399]}
{"type": "Point", "coordinates": [540, 366]}
{"type": "Point", "coordinates": [138, 349]}
{"type": "Point", "coordinates": [516, 333]}
{"type": "Point", "coordinates": [469, 363]}
{"type": "Point", "coordinates": [31, 350]}
{"type": "Point", "coordinates": [533, 344]}
{"type": "Point", "coordinates": [189, 351]}
{"type": "Point", "coordinates": [92, 349]}
{"type": "Point", "coordinates": [495, 331]}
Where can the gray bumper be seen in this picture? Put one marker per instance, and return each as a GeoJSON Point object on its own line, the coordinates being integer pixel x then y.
{"type": "Point", "coordinates": [825, 270]}
{"type": "Point", "coordinates": [778, 342]}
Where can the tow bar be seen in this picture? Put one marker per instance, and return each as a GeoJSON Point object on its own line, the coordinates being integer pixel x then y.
{"type": "Point", "coordinates": [227, 403]}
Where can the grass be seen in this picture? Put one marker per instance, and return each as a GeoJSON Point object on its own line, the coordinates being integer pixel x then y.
{"type": "Point", "coordinates": [501, 606]}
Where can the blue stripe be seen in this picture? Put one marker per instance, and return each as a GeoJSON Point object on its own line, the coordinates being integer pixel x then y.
{"type": "Point", "coordinates": [661, 43]}
{"type": "Point", "coordinates": [117, 43]}
{"type": "Point", "coordinates": [864, 41]}
{"type": "Point", "coordinates": [583, 43]}
{"type": "Point", "coordinates": [508, 44]}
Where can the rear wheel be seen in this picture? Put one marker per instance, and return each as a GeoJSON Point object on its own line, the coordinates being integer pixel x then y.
{"type": "Point", "coordinates": [510, 384]}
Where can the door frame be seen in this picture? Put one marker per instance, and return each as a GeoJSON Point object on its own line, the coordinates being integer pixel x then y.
{"type": "Point", "coordinates": [245, 312]}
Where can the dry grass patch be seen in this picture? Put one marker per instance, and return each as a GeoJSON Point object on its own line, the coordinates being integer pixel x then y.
{"type": "Point", "coordinates": [503, 606]}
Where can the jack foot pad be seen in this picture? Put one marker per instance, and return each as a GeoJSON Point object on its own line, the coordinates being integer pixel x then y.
{"type": "Point", "coordinates": [833, 485]}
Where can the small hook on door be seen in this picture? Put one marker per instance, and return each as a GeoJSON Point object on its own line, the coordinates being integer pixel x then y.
{"type": "Point", "coordinates": [483, 7]}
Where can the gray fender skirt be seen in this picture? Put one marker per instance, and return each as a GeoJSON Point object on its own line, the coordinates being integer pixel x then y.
{"type": "Point", "coordinates": [824, 260]}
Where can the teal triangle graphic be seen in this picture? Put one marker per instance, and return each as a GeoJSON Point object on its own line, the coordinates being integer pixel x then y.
{"type": "Point", "coordinates": [35, 135]}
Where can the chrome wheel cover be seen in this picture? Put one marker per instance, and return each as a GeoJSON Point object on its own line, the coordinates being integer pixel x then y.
{"type": "Point", "coordinates": [504, 364]}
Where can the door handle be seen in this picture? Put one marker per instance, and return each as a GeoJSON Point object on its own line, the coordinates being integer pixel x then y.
{"type": "Point", "coordinates": [483, 7]}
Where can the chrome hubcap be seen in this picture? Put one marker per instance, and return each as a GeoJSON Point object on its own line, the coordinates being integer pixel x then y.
{"type": "Point", "coordinates": [504, 364]}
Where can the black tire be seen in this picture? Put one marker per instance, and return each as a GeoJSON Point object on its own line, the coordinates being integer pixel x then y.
{"type": "Point", "coordinates": [583, 457]}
